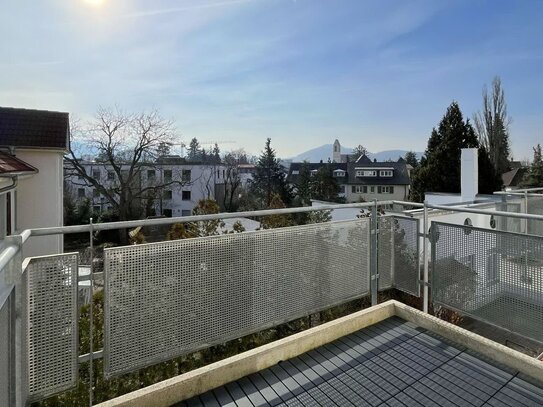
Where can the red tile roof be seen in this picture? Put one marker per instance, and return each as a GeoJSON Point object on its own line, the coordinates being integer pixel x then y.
{"type": "Point", "coordinates": [11, 165]}
{"type": "Point", "coordinates": [34, 128]}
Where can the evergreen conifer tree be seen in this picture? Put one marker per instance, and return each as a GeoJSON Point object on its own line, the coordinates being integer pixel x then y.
{"type": "Point", "coordinates": [304, 185]}
{"type": "Point", "coordinates": [324, 186]}
{"type": "Point", "coordinates": [534, 177]}
{"type": "Point", "coordinates": [439, 169]}
{"type": "Point", "coordinates": [194, 152]}
{"type": "Point", "coordinates": [269, 178]}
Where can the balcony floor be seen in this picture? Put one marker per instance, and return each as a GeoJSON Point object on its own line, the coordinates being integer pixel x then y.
{"type": "Point", "coordinates": [392, 363]}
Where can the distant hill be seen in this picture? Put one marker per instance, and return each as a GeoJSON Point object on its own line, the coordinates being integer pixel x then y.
{"type": "Point", "coordinates": [325, 151]}
{"type": "Point", "coordinates": [319, 153]}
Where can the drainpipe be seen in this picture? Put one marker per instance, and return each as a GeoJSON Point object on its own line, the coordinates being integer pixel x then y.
{"type": "Point", "coordinates": [14, 181]}
{"type": "Point", "coordinates": [8, 190]}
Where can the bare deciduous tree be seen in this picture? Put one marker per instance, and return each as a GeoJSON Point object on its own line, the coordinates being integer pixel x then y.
{"type": "Point", "coordinates": [360, 150]}
{"type": "Point", "coordinates": [126, 144]}
{"type": "Point", "coordinates": [492, 126]}
{"type": "Point", "coordinates": [232, 161]}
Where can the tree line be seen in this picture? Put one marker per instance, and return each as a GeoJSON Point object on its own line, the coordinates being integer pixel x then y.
{"type": "Point", "coordinates": [439, 168]}
{"type": "Point", "coordinates": [132, 143]}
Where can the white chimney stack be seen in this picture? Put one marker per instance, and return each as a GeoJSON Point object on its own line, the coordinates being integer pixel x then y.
{"type": "Point", "coordinates": [469, 169]}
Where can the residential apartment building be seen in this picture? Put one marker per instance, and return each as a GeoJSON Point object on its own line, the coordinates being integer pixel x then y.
{"type": "Point", "coordinates": [364, 179]}
{"type": "Point", "coordinates": [368, 180]}
{"type": "Point", "coordinates": [246, 173]}
{"type": "Point", "coordinates": [179, 185]}
{"type": "Point", "coordinates": [32, 147]}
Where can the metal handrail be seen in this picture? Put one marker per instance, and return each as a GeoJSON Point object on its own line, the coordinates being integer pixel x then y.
{"type": "Point", "coordinates": [486, 212]}
{"type": "Point", "coordinates": [198, 218]}
{"type": "Point", "coordinates": [522, 192]}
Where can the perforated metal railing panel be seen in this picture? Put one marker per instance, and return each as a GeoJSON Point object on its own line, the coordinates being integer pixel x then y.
{"type": "Point", "coordinates": [6, 349]}
{"type": "Point", "coordinates": [51, 325]}
{"type": "Point", "coordinates": [535, 206]}
{"type": "Point", "coordinates": [385, 252]}
{"type": "Point", "coordinates": [166, 299]}
{"type": "Point", "coordinates": [490, 275]}
{"type": "Point", "coordinates": [507, 224]}
{"type": "Point", "coordinates": [399, 254]}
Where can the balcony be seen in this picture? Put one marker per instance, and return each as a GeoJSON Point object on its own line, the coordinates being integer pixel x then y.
{"type": "Point", "coordinates": [173, 298]}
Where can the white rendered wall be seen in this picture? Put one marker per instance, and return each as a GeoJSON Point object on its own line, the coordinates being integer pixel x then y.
{"type": "Point", "coordinates": [400, 194]}
{"type": "Point", "coordinates": [338, 214]}
{"type": "Point", "coordinates": [436, 198]}
{"type": "Point", "coordinates": [204, 179]}
{"type": "Point", "coordinates": [469, 171]}
{"type": "Point", "coordinates": [203, 182]}
{"type": "Point", "coordinates": [39, 200]}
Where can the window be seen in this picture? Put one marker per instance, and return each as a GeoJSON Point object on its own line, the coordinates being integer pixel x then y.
{"type": "Point", "coordinates": [386, 190]}
{"type": "Point", "coordinates": [385, 173]}
{"type": "Point", "coordinates": [81, 192]}
{"type": "Point", "coordinates": [186, 175]}
{"type": "Point", "coordinates": [218, 173]}
{"type": "Point", "coordinates": [366, 173]}
{"type": "Point", "coordinates": [342, 189]}
{"type": "Point", "coordinates": [360, 189]}
{"type": "Point", "coordinates": [186, 212]}
{"type": "Point", "coordinates": [167, 213]}
{"type": "Point", "coordinates": [96, 208]}
{"type": "Point", "coordinates": [372, 189]}
{"type": "Point", "coordinates": [185, 195]}
{"type": "Point", "coordinates": [95, 193]}
{"type": "Point", "coordinates": [167, 194]}
{"type": "Point", "coordinates": [96, 174]}
{"type": "Point", "coordinates": [339, 173]}
{"type": "Point", "coordinates": [167, 175]}
{"type": "Point", "coordinates": [110, 175]}
{"type": "Point", "coordinates": [151, 175]}
{"type": "Point", "coordinates": [295, 172]}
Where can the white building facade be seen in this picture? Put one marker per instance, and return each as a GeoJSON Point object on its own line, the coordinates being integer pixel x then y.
{"type": "Point", "coordinates": [33, 199]}
{"type": "Point", "coordinates": [178, 185]}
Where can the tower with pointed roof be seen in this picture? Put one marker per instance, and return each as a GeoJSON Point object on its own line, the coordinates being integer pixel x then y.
{"type": "Point", "coordinates": [336, 152]}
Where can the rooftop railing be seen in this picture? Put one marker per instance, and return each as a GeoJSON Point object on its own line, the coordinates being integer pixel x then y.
{"type": "Point", "coordinates": [167, 299]}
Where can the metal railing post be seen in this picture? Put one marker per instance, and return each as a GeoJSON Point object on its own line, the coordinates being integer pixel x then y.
{"type": "Point", "coordinates": [425, 260]}
{"type": "Point", "coordinates": [15, 274]}
{"type": "Point", "coordinates": [91, 333]}
{"type": "Point", "coordinates": [525, 211]}
{"type": "Point", "coordinates": [374, 273]}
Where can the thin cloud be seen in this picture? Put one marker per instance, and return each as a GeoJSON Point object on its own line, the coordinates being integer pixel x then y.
{"type": "Point", "coordinates": [171, 10]}
{"type": "Point", "coordinates": [31, 63]}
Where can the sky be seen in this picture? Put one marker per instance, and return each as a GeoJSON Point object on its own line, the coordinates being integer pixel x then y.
{"type": "Point", "coordinates": [302, 72]}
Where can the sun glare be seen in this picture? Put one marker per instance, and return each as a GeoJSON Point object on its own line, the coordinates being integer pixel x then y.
{"type": "Point", "coordinates": [95, 3]}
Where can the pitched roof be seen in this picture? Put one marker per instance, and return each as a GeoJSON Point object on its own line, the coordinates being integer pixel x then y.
{"type": "Point", "coordinates": [34, 128]}
{"type": "Point", "coordinates": [363, 159]}
{"type": "Point", "coordinates": [512, 178]}
{"type": "Point", "coordinates": [11, 165]}
{"type": "Point", "coordinates": [400, 175]}
{"type": "Point", "coordinates": [294, 169]}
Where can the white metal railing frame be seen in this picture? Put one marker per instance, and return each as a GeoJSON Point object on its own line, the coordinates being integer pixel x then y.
{"type": "Point", "coordinates": [11, 250]}
{"type": "Point", "coordinates": [11, 269]}
{"type": "Point", "coordinates": [427, 206]}
{"type": "Point", "coordinates": [521, 191]}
